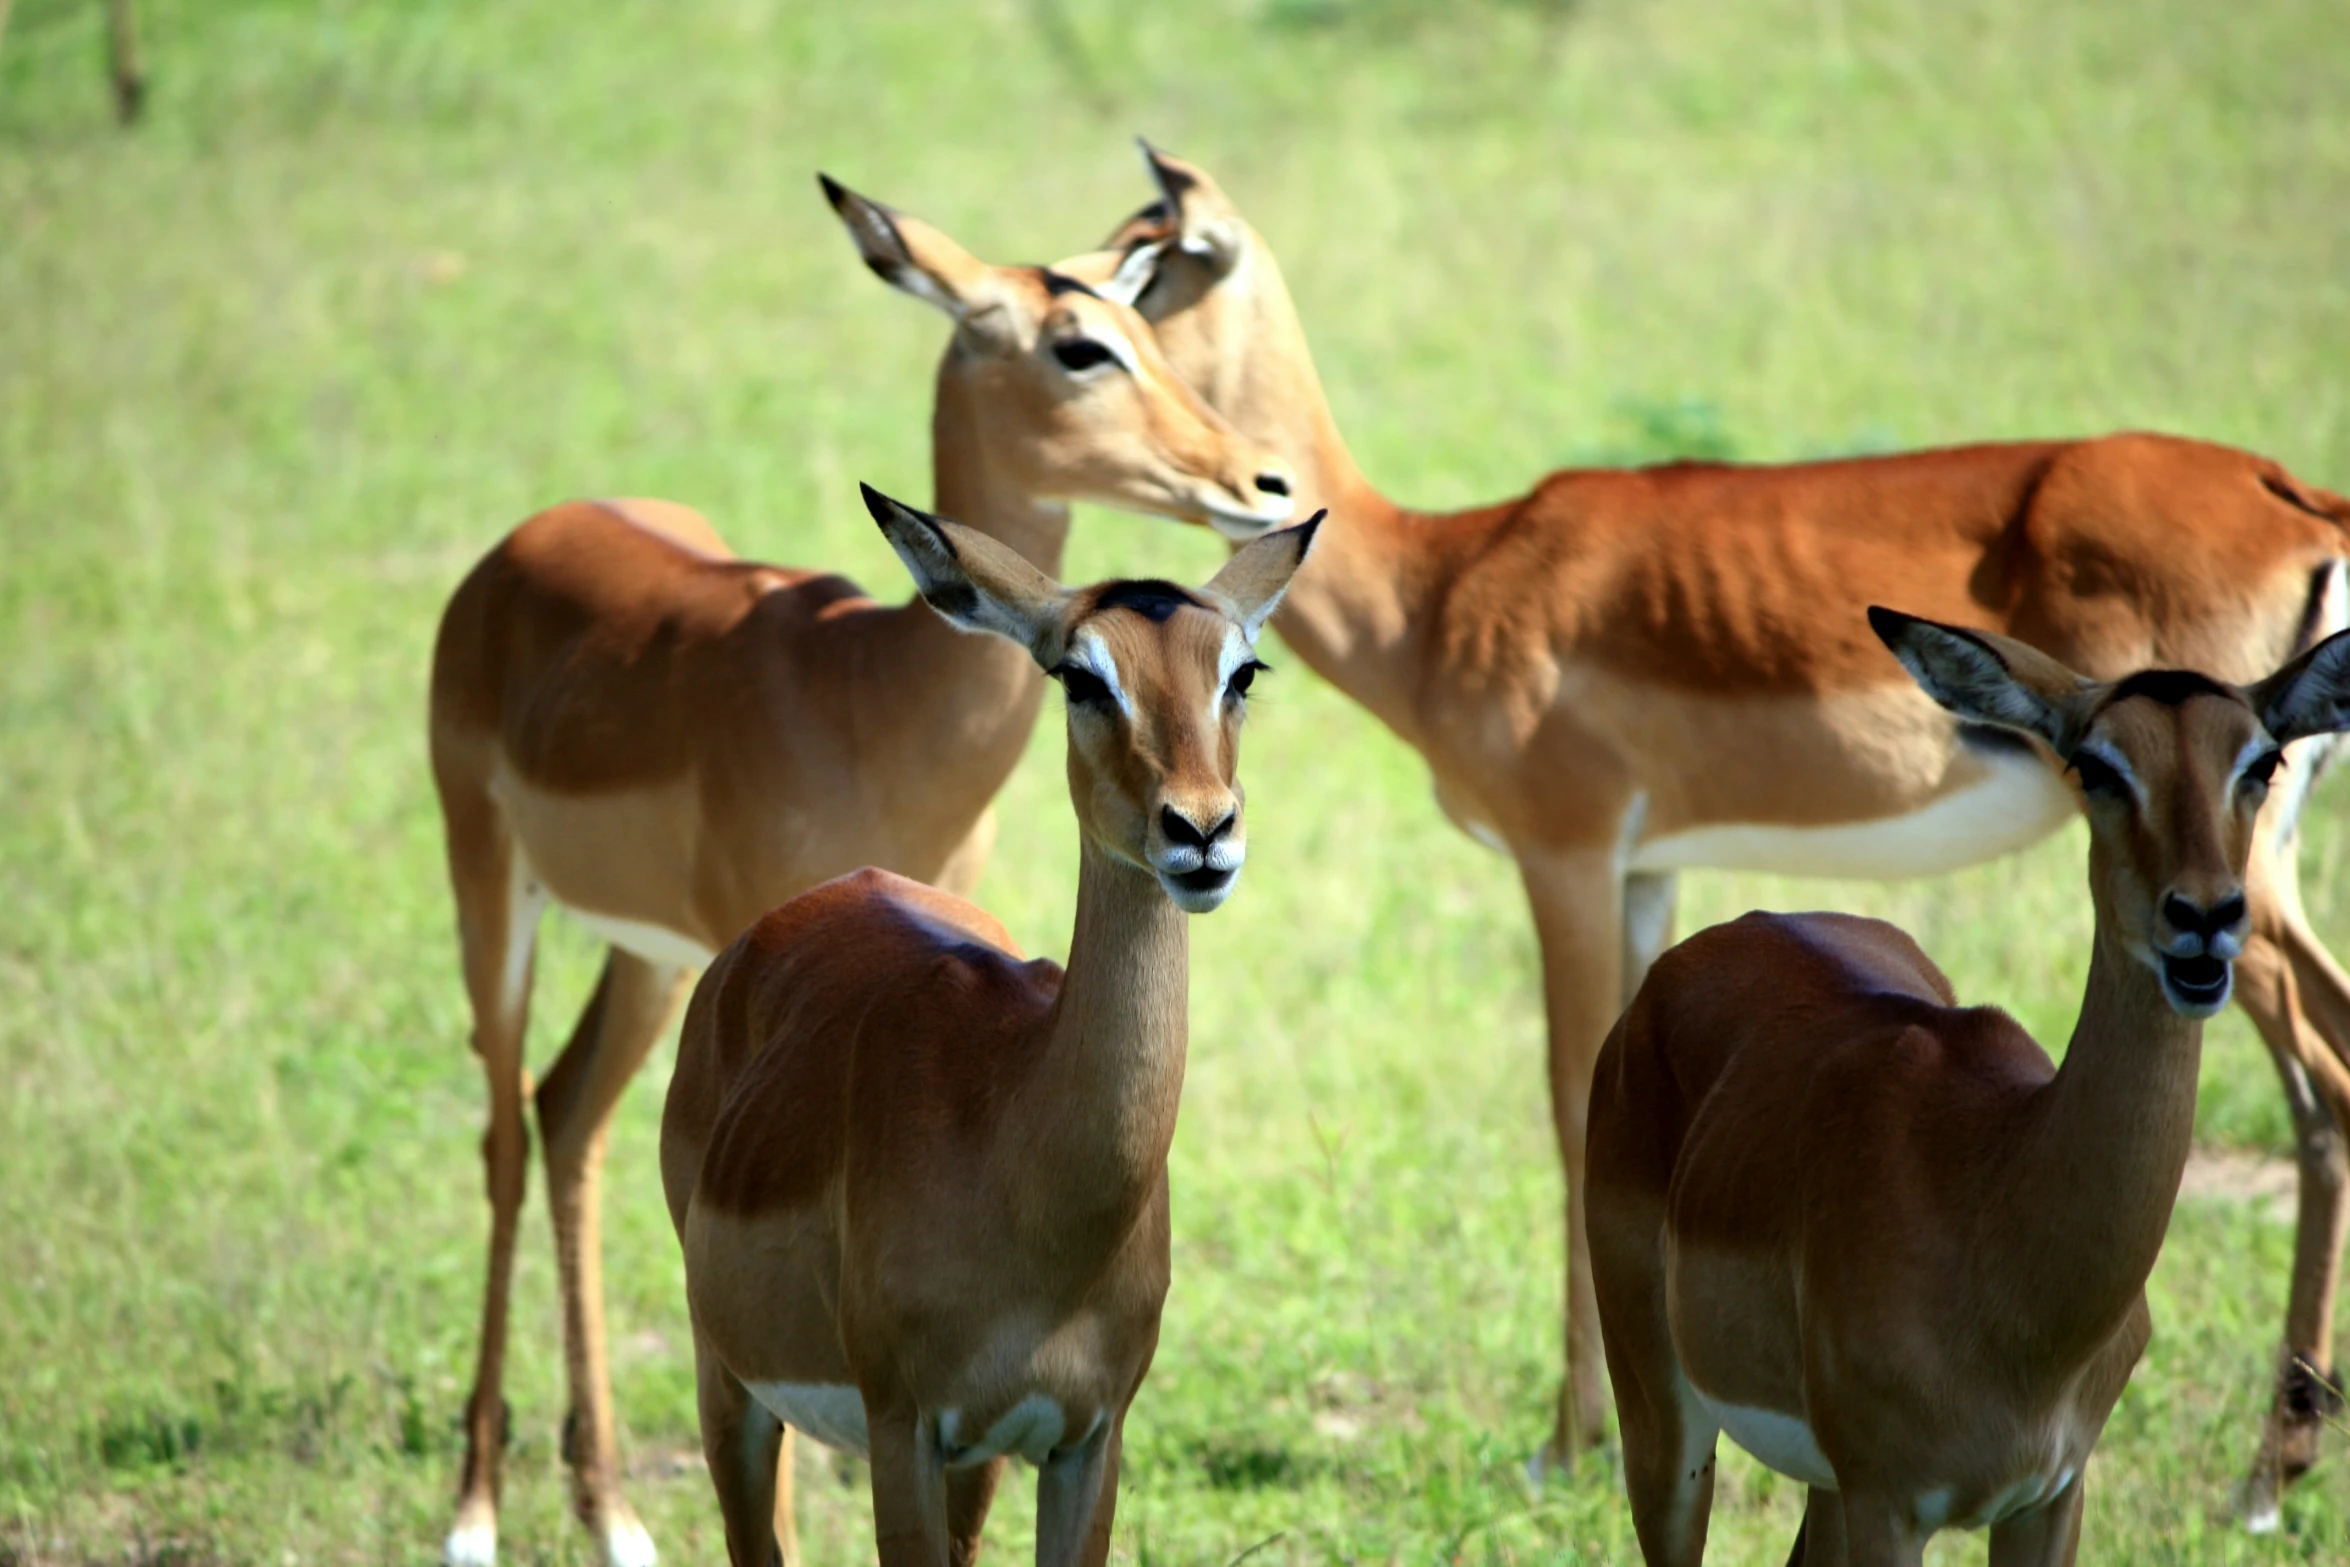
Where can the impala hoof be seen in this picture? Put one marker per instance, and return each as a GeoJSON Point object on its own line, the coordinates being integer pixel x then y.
{"type": "Point", "coordinates": [473, 1543]}
{"type": "Point", "coordinates": [627, 1545]}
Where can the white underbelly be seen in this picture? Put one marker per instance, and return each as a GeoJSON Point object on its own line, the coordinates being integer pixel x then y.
{"type": "Point", "coordinates": [2019, 801]}
{"type": "Point", "coordinates": [654, 943]}
{"type": "Point", "coordinates": [832, 1413]}
{"type": "Point", "coordinates": [1783, 1442]}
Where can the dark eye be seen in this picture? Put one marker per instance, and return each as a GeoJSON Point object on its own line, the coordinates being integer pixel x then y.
{"type": "Point", "coordinates": [1081, 353]}
{"type": "Point", "coordinates": [2263, 771]}
{"type": "Point", "coordinates": [1082, 685]}
{"type": "Point", "coordinates": [1244, 677]}
{"type": "Point", "coordinates": [2097, 777]}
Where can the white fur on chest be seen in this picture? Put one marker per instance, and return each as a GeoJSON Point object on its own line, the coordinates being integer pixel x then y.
{"type": "Point", "coordinates": [2019, 801]}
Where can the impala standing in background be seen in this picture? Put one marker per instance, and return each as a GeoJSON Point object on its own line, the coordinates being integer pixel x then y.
{"type": "Point", "coordinates": [922, 1184]}
{"type": "Point", "coordinates": [1874, 1235]}
{"type": "Point", "coordinates": [1629, 673]}
{"type": "Point", "coordinates": [668, 741]}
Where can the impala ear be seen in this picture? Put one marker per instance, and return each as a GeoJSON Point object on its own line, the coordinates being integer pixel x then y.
{"type": "Point", "coordinates": [1260, 571]}
{"type": "Point", "coordinates": [1984, 678]}
{"type": "Point", "coordinates": [977, 583]}
{"type": "Point", "coordinates": [1206, 223]}
{"type": "Point", "coordinates": [2309, 696]}
{"type": "Point", "coordinates": [1134, 272]}
{"type": "Point", "coordinates": [908, 254]}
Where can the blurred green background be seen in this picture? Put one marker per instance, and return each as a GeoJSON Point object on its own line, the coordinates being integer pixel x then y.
{"type": "Point", "coordinates": [372, 283]}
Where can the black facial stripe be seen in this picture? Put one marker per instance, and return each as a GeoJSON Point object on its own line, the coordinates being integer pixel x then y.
{"type": "Point", "coordinates": [1056, 284]}
{"type": "Point", "coordinates": [1150, 598]}
{"type": "Point", "coordinates": [2170, 687]}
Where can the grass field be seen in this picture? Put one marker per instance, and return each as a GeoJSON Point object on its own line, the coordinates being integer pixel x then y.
{"type": "Point", "coordinates": [374, 282]}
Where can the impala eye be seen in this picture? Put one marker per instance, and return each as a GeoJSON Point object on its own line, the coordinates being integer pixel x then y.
{"type": "Point", "coordinates": [1244, 677]}
{"type": "Point", "coordinates": [2099, 777]}
{"type": "Point", "coordinates": [2263, 771]}
{"type": "Point", "coordinates": [1083, 687]}
{"type": "Point", "coordinates": [1081, 353]}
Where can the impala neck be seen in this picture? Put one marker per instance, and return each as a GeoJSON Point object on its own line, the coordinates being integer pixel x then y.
{"type": "Point", "coordinates": [1097, 1114]}
{"type": "Point", "coordinates": [2087, 1185]}
{"type": "Point", "coordinates": [942, 692]}
{"type": "Point", "coordinates": [1354, 611]}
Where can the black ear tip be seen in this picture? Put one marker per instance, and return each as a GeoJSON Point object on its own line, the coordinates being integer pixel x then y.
{"type": "Point", "coordinates": [834, 191]}
{"type": "Point", "coordinates": [1308, 528]}
{"type": "Point", "coordinates": [880, 505]}
{"type": "Point", "coordinates": [1888, 623]}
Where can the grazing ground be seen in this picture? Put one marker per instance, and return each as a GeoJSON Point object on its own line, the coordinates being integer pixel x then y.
{"type": "Point", "coordinates": [374, 282]}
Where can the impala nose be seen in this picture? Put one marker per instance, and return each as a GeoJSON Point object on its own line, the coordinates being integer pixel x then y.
{"type": "Point", "coordinates": [1184, 833]}
{"type": "Point", "coordinates": [1273, 484]}
{"type": "Point", "coordinates": [2197, 942]}
{"type": "Point", "coordinates": [1199, 863]}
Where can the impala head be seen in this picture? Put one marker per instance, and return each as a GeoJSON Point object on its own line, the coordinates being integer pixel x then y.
{"type": "Point", "coordinates": [1157, 678]}
{"type": "Point", "coordinates": [1074, 398]}
{"type": "Point", "coordinates": [1198, 273]}
{"type": "Point", "coordinates": [2172, 768]}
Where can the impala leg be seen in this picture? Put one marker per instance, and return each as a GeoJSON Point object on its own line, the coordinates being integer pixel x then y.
{"type": "Point", "coordinates": [1650, 899]}
{"type": "Point", "coordinates": [1819, 1542]}
{"type": "Point", "coordinates": [970, 1493]}
{"type": "Point", "coordinates": [749, 1454]}
{"type": "Point", "coordinates": [1077, 1501]}
{"type": "Point", "coordinates": [1578, 921]}
{"type": "Point", "coordinates": [1878, 1532]}
{"type": "Point", "coordinates": [909, 1489]}
{"type": "Point", "coordinates": [498, 908]}
{"type": "Point", "coordinates": [633, 1003]}
{"type": "Point", "coordinates": [2047, 1536]}
{"type": "Point", "coordinates": [2299, 999]}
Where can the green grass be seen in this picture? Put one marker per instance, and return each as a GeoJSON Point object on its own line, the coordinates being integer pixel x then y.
{"type": "Point", "coordinates": [375, 282]}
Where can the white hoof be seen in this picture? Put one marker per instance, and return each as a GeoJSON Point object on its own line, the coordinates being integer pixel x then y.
{"type": "Point", "coordinates": [2264, 1518]}
{"type": "Point", "coordinates": [627, 1545]}
{"type": "Point", "coordinates": [473, 1544]}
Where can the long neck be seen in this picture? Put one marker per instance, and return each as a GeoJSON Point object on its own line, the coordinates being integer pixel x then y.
{"type": "Point", "coordinates": [936, 691]}
{"type": "Point", "coordinates": [1096, 1113]}
{"type": "Point", "coordinates": [2088, 1183]}
{"type": "Point", "coordinates": [1354, 612]}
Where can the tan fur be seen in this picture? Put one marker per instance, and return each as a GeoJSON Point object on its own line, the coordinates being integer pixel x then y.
{"type": "Point", "coordinates": [1821, 1189]}
{"type": "Point", "coordinates": [1619, 657]}
{"type": "Point", "coordinates": [905, 1161]}
{"type": "Point", "coordinates": [629, 720]}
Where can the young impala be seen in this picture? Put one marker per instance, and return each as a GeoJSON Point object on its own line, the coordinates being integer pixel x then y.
{"type": "Point", "coordinates": [922, 1184]}
{"type": "Point", "coordinates": [1874, 1235]}
{"type": "Point", "coordinates": [1624, 674]}
{"type": "Point", "coordinates": [668, 741]}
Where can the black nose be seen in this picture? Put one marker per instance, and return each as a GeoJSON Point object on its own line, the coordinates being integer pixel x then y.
{"type": "Point", "coordinates": [2184, 916]}
{"type": "Point", "coordinates": [1181, 831]}
{"type": "Point", "coordinates": [1272, 484]}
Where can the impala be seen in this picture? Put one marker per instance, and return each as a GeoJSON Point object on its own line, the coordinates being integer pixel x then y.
{"type": "Point", "coordinates": [921, 1183]}
{"type": "Point", "coordinates": [668, 741]}
{"type": "Point", "coordinates": [1625, 674]}
{"type": "Point", "coordinates": [1874, 1235]}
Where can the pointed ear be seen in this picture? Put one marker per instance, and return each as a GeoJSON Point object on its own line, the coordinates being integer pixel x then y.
{"type": "Point", "coordinates": [975, 582]}
{"type": "Point", "coordinates": [1134, 273]}
{"type": "Point", "coordinates": [1984, 678]}
{"type": "Point", "coordinates": [1207, 225]}
{"type": "Point", "coordinates": [1259, 572]}
{"type": "Point", "coordinates": [907, 253]}
{"type": "Point", "coordinates": [2309, 696]}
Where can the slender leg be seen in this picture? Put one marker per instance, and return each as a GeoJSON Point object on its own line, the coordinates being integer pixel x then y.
{"type": "Point", "coordinates": [633, 1003]}
{"type": "Point", "coordinates": [1820, 1542]}
{"type": "Point", "coordinates": [2047, 1536]}
{"type": "Point", "coordinates": [1077, 1500]}
{"type": "Point", "coordinates": [749, 1452]}
{"type": "Point", "coordinates": [970, 1493]}
{"type": "Point", "coordinates": [909, 1487]}
{"type": "Point", "coordinates": [2299, 1000]}
{"type": "Point", "coordinates": [1578, 922]}
{"type": "Point", "coordinates": [498, 908]}
{"type": "Point", "coordinates": [122, 60]}
{"type": "Point", "coordinates": [1878, 1532]}
{"type": "Point", "coordinates": [1650, 898]}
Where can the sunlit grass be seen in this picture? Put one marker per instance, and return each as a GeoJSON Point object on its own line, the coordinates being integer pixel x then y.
{"type": "Point", "coordinates": [375, 282]}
